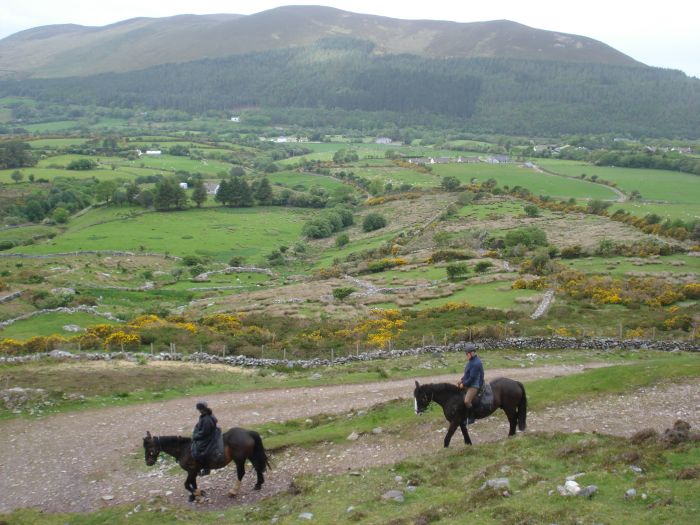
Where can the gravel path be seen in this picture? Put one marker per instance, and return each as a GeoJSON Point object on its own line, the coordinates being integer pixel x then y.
{"type": "Point", "coordinates": [70, 474]}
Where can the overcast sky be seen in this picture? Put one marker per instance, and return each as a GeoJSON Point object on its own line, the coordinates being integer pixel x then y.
{"type": "Point", "coordinates": [664, 34]}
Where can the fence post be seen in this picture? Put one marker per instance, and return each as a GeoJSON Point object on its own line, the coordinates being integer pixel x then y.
{"type": "Point", "coordinates": [284, 353]}
{"type": "Point", "coordinates": [151, 348]}
{"type": "Point", "coordinates": [332, 354]}
{"type": "Point", "coordinates": [224, 350]}
{"type": "Point", "coordinates": [262, 351]}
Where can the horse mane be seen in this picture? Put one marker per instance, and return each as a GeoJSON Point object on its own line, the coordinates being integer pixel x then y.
{"type": "Point", "coordinates": [443, 387]}
{"type": "Point", "coordinates": [167, 441]}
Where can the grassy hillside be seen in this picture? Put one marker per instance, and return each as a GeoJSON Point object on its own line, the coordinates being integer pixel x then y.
{"type": "Point", "coordinates": [67, 50]}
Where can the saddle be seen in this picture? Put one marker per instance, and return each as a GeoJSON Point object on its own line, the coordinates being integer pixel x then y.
{"type": "Point", "coordinates": [482, 405]}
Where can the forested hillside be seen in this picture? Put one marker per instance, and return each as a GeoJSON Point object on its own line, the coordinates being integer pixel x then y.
{"type": "Point", "coordinates": [498, 95]}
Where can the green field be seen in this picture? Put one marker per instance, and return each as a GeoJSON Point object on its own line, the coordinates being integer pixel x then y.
{"type": "Point", "coordinates": [174, 163]}
{"type": "Point", "coordinates": [654, 185]}
{"type": "Point", "coordinates": [292, 179]}
{"type": "Point", "coordinates": [397, 176]}
{"type": "Point", "coordinates": [496, 294]}
{"type": "Point", "coordinates": [685, 212]}
{"type": "Point", "coordinates": [219, 232]}
{"type": "Point", "coordinates": [52, 127]}
{"type": "Point", "coordinates": [57, 143]}
{"type": "Point", "coordinates": [677, 264]}
{"type": "Point", "coordinates": [50, 324]}
{"type": "Point", "coordinates": [538, 183]}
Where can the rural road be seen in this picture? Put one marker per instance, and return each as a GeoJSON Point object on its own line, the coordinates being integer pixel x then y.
{"type": "Point", "coordinates": [85, 460]}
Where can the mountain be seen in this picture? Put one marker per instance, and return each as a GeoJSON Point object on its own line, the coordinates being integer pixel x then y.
{"type": "Point", "coordinates": [139, 43]}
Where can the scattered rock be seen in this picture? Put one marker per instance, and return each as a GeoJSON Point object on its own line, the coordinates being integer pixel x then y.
{"type": "Point", "coordinates": [354, 436]}
{"type": "Point", "coordinates": [398, 479]}
{"type": "Point", "coordinates": [636, 469]}
{"type": "Point", "coordinates": [587, 492]}
{"type": "Point", "coordinates": [74, 328]}
{"type": "Point", "coordinates": [630, 493]}
{"type": "Point", "coordinates": [496, 484]}
{"type": "Point", "coordinates": [395, 495]}
{"type": "Point", "coordinates": [377, 430]}
{"type": "Point", "coordinates": [107, 497]}
{"type": "Point", "coordinates": [570, 488]}
{"type": "Point", "coordinates": [306, 516]}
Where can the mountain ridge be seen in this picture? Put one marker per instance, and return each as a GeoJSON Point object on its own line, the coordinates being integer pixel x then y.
{"type": "Point", "coordinates": [139, 43]}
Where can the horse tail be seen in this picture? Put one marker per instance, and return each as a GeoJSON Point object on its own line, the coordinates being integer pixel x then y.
{"type": "Point", "coordinates": [259, 458]}
{"type": "Point", "coordinates": [522, 409]}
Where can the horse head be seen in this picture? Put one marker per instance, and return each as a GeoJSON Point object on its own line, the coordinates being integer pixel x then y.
{"type": "Point", "coordinates": [421, 398]}
{"type": "Point", "coordinates": [151, 447]}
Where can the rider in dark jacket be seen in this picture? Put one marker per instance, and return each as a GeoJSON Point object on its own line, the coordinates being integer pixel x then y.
{"type": "Point", "coordinates": [473, 378]}
{"type": "Point", "coordinates": [203, 437]}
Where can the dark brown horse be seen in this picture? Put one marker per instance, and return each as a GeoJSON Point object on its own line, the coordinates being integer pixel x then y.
{"type": "Point", "coordinates": [507, 394]}
{"type": "Point", "coordinates": [239, 444]}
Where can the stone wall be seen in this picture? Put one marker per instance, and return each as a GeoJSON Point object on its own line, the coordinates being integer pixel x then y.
{"type": "Point", "coordinates": [515, 343]}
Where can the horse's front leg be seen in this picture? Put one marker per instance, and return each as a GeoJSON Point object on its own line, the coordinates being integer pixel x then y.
{"type": "Point", "coordinates": [465, 433]}
{"type": "Point", "coordinates": [450, 432]}
{"type": "Point", "coordinates": [191, 485]}
{"type": "Point", "coordinates": [240, 472]}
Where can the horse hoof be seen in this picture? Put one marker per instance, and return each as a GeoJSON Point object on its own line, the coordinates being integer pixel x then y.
{"type": "Point", "coordinates": [232, 494]}
{"type": "Point", "coordinates": [257, 487]}
{"type": "Point", "coordinates": [191, 498]}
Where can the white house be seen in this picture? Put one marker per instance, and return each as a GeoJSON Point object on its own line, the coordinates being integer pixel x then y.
{"type": "Point", "coordinates": [383, 140]}
{"type": "Point", "coordinates": [183, 185]}
{"type": "Point", "coordinates": [211, 187]}
{"type": "Point", "coordinates": [153, 152]}
{"type": "Point", "coordinates": [235, 119]}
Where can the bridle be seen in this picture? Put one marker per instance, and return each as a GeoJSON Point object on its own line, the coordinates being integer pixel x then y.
{"type": "Point", "coordinates": [432, 395]}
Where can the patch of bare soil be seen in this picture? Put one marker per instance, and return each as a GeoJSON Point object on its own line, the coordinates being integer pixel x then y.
{"type": "Point", "coordinates": [94, 458]}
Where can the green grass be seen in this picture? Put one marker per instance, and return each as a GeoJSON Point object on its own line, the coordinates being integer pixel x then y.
{"type": "Point", "coordinates": [292, 179]}
{"type": "Point", "coordinates": [620, 265]}
{"type": "Point", "coordinates": [397, 176]}
{"type": "Point", "coordinates": [491, 295]}
{"type": "Point", "coordinates": [493, 210]}
{"type": "Point", "coordinates": [175, 163]}
{"type": "Point", "coordinates": [57, 143]}
{"type": "Point", "coordinates": [654, 185]}
{"type": "Point", "coordinates": [216, 232]}
{"type": "Point", "coordinates": [328, 255]}
{"type": "Point", "coordinates": [25, 233]}
{"type": "Point", "coordinates": [50, 324]}
{"type": "Point", "coordinates": [538, 183]}
{"type": "Point", "coordinates": [52, 127]}
{"type": "Point", "coordinates": [685, 212]}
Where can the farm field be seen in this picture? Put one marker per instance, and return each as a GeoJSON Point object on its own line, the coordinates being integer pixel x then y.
{"type": "Point", "coordinates": [538, 183]}
{"type": "Point", "coordinates": [51, 324]}
{"type": "Point", "coordinates": [654, 185]}
{"type": "Point", "coordinates": [245, 232]}
{"type": "Point", "coordinates": [305, 181]}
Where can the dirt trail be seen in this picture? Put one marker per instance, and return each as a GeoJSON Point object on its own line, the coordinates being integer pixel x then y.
{"type": "Point", "coordinates": [94, 458]}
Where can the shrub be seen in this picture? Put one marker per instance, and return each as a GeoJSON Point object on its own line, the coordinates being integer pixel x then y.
{"type": "Point", "coordinates": [341, 240]}
{"type": "Point", "coordinates": [236, 260]}
{"type": "Point", "coordinates": [528, 237]}
{"type": "Point", "coordinates": [571, 252]}
{"type": "Point", "coordinates": [531, 210]}
{"type": "Point", "coordinates": [450, 183]}
{"type": "Point", "coordinates": [449, 255]}
{"type": "Point", "coordinates": [456, 270]}
{"type": "Point", "coordinates": [373, 221]}
{"type": "Point", "coordinates": [482, 266]}
{"type": "Point", "coordinates": [343, 292]}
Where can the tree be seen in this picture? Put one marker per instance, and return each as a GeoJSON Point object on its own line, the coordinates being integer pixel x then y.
{"type": "Point", "coordinates": [15, 154]}
{"type": "Point", "coordinates": [263, 193]}
{"type": "Point", "coordinates": [81, 165]}
{"type": "Point", "coordinates": [450, 183]}
{"type": "Point", "coordinates": [241, 196]}
{"type": "Point", "coordinates": [17, 176]}
{"type": "Point", "coordinates": [60, 215]}
{"type": "Point", "coordinates": [105, 190]}
{"type": "Point", "coordinates": [223, 193]}
{"type": "Point", "coordinates": [199, 194]}
{"type": "Point", "coordinates": [169, 194]}
{"type": "Point", "coordinates": [373, 221]}
{"type": "Point", "coordinates": [341, 240]}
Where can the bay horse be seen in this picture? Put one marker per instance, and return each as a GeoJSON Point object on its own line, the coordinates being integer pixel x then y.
{"type": "Point", "coordinates": [508, 394]}
{"type": "Point", "coordinates": [239, 444]}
